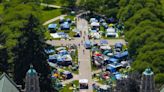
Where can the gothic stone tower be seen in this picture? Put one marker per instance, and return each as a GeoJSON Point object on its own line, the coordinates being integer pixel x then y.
{"type": "Point", "coordinates": [32, 81]}
{"type": "Point", "coordinates": [147, 82]}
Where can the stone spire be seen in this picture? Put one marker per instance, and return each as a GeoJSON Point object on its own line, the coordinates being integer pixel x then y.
{"type": "Point", "coordinates": [147, 82]}
{"type": "Point", "coordinates": [32, 81]}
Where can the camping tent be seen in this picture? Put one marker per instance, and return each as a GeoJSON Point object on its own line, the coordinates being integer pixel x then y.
{"type": "Point", "coordinates": [87, 44]}
{"type": "Point", "coordinates": [93, 20]}
{"type": "Point", "coordinates": [95, 24]}
{"type": "Point", "coordinates": [52, 27]}
{"type": "Point", "coordinates": [65, 26]}
{"type": "Point", "coordinates": [122, 55]}
{"type": "Point", "coordinates": [111, 69]}
{"type": "Point", "coordinates": [103, 42]}
{"type": "Point", "coordinates": [118, 45]}
{"type": "Point", "coordinates": [68, 74]}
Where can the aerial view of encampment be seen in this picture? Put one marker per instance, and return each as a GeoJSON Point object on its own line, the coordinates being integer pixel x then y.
{"type": "Point", "coordinates": [81, 45]}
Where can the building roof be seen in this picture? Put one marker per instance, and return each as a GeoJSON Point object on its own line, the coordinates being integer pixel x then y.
{"type": "Point", "coordinates": [148, 71]}
{"type": "Point", "coordinates": [31, 71]}
{"type": "Point", "coordinates": [7, 85]}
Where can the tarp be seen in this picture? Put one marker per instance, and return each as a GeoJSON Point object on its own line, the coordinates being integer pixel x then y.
{"type": "Point", "coordinates": [95, 24]}
{"type": "Point", "coordinates": [55, 35]}
{"type": "Point", "coordinates": [65, 25]}
{"type": "Point", "coordinates": [113, 60]}
{"type": "Point", "coordinates": [111, 69]}
{"type": "Point", "coordinates": [121, 55]}
{"type": "Point", "coordinates": [63, 52]}
{"type": "Point", "coordinates": [118, 76]}
{"type": "Point", "coordinates": [60, 48]}
{"type": "Point", "coordinates": [105, 47]}
{"type": "Point", "coordinates": [93, 20]}
{"type": "Point", "coordinates": [110, 30]}
{"type": "Point", "coordinates": [52, 26]}
{"type": "Point", "coordinates": [48, 51]}
{"type": "Point", "coordinates": [103, 42]}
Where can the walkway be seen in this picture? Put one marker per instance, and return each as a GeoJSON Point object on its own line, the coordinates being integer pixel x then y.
{"type": "Point", "coordinates": [50, 5]}
{"type": "Point", "coordinates": [54, 19]}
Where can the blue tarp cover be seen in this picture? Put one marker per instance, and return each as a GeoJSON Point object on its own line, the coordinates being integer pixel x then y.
{"type": "Point", "coordinates": [111, 69]}
{"type": "Point", "coordinates": [121, 55]}
{"type": "Point", "coordinates": [113, 60]}
{"type": "Point", "coordinates": [118, 45]}
{"type": "Point", "coordinates": [103, 42]}
{"type": "Point", "coordinates": [52, 26]}
{"type": "Point", "coordinates": [65, 25]}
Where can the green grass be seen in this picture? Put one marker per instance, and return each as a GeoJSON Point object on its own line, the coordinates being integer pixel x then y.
{"type": "Point", "coordinates": [48, 14]}
{"type": "Point", "coordinates": [67, 86]}
{"type": "Point", "coordinates": [1, 8]}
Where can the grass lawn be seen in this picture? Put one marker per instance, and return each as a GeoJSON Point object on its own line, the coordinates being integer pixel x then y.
{"type": "Point", "coordinates": [67, 87]}
{"type": "Point", "coordinates": [48, 14]}
{"type": "Point", "coordinates": [1, 8]}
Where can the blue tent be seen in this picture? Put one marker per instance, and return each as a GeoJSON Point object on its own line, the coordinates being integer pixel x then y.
{"type": "Point", "coordinates": [111, 69]}
{"type": "Point", "coordinates": [63, 52]}
{"type": "Point", "coordinates": [65, 26]}
{"type": "Point", "coordinates": [49, 51]}
{"type": "Point", "coordinates": [121, 55]}
{"type": "Point", "coordinates": [93, 31]}
{"type": "Point", "coordinates": [118, 76]}
{"type": "Point", "coordinates": [68, 20]}
{"type": "Point", "coordinates": [102, 42]}
{"type": "Point", "coordinates": [87, 44]}
{"type": "Point", "coordinates": [118, 45]}
{"type": "Point", "coordinates": [111, 20]}
{"type": "Point", "coordinates": [52, 58]}
{"type": "Point", "coordinates": [52, 26]}
{"type": "Point", "coordinates": [113, 60]}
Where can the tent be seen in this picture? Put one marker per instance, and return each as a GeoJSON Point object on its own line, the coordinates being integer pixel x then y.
{"type": "Point", "coordinates": [61, 20]}
{"type": "Point", "coordinates": [87, 44]}
{"type": "Point", "coordinates": [93, 20]}
{"type": "Point", "coordinates": [95, 24]}
{"type": "Point", "coordinates": [103, 42]}
{"type": "Point", "coordinates": [105, 47]}
{"type": "Point", "coordinates": [112, 60]}
{"type": "Point", "coordinates": [68, 74]}
{"type": "Point", "coordinates": [111, 69]}
{"type": "Point", "coordinates": [68, 20]}
{"type": "Point", "coordinates": [61, 48]}
{"type": "Point", "coordinates": [110, 20]}
{"type": "Point", "coordinates": [55, 35]}
{"type": "Point", "coordinates": [118, 76]}
{"type": "Point", "coordinates": [110, 30]}
{"type": "Point", "coordinates": [52, 58]}
{"type": "Point", "coordinates": [49, 51]}
{"type": "Point", "coordinates": [63, 52]}
{"type": "Point", "coordinates": [52, 27]}
{"type": "Point", "coordinates": [65, 26]}
{"type": "Point", "coordinates": [118, 45]}
{"type": "Point", "coordinates": [122, 55]}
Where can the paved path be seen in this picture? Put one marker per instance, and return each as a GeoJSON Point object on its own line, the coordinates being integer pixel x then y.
{"type": "Point", "coordinates": [54, 19]}
{"type": "Point", "coordinates": [50, 5]}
